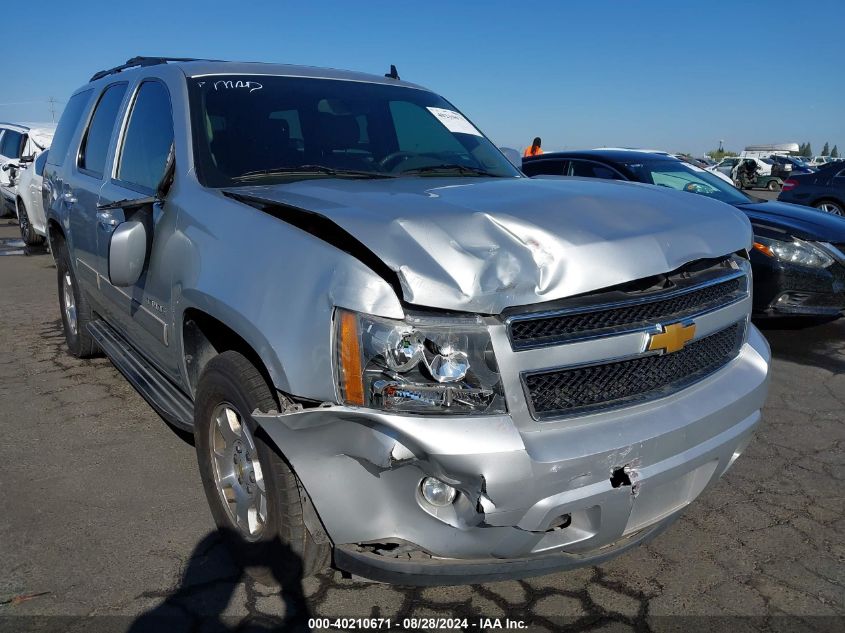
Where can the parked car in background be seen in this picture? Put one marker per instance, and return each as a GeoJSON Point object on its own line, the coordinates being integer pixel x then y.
{"type": "Point", "coordinates": [821, 161]}
{"type": "Point", "coordinates": [791, 164]}
{"type": "Point", "coordinates": [726, 165]}
{"type": "Point", "coordinates": [18, 142]}
{"type": "Point", "coordinates": [29, 203]}
{"type": "Point", "coordinates": [395, 351]}
{"type": "Point", "coordinates": [798, 256]}
{"type": "Point", "coordinates": [823, 189]}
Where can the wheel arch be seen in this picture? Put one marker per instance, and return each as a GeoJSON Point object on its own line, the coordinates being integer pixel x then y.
{"type": "Point", "coordinates": [828, 198]}
{"type": "Point", "coordinates": [205, 335]}
{"type": "Point", "coordinates": [54, 231]}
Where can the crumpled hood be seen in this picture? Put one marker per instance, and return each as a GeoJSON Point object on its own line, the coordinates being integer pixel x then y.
{"type": "Point", "coordinates": [481, 245]}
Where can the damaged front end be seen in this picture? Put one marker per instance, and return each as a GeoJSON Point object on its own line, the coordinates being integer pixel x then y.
{"type": "Point", "coordinates": [446, 463]}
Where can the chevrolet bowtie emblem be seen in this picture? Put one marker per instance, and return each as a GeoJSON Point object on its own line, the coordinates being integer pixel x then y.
{"type": "Point", "coordinates": [672, 338]}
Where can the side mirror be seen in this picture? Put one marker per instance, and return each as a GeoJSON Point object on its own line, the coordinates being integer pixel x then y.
{"type": "Point", "coordinates": [127, 253]}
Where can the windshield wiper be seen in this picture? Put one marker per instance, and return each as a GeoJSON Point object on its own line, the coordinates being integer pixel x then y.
{"type": "Point", "coordinates": [306, 170]}
{"type": "Point", "coordinates": [461, 169]}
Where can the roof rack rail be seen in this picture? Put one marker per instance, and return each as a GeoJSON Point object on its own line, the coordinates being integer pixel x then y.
{"type": "Point", "coordinates": [140, 61]}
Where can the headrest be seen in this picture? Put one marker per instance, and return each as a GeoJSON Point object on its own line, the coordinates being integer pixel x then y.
{"type": "Point", "coordinates": [339, 131]}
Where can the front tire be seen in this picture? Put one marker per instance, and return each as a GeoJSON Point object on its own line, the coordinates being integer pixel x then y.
{"type": "Point", "coordinates": [76, 313]}
{"type": "Point", "coordinates": [773, 185]}
{"type": "Point", "coordinates": [254, 495]}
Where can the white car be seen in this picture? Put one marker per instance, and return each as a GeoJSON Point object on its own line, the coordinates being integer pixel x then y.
{"type": "Point", "coordinates": [29, 204]}
{"type": "Point", "coordinates": [19, 141]}
{"type": "Point", "coordinates": [712, 170]}
{"type": "Point", "coordinates": [726, 165]}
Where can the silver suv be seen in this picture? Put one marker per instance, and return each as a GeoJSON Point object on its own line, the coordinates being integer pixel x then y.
{"type": "Point", "coordinates": [396, 353]}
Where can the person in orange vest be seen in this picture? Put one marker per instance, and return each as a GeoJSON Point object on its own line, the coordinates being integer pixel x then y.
{"type": "Point", "coordinates": [534, 150]}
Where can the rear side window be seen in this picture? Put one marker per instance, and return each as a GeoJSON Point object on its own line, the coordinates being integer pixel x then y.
{"type": "Point", "coordinates": [148, 138]}
{"type": "Point", "coordinates": [589, 169]}
{"type": "Point", "coordinates": [12, 144]}
{"type": "Point", "coordinates": [95, 145]}
{"type": "Point", "coordinates": [67, 126]}
{"type": "Point", "coordinates": [544, 167]}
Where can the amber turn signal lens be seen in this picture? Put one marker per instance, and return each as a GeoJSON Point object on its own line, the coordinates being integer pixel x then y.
{"type": "Point", "coordinates": [351, 374]}
{"type": "Point", "coordinates": [763, 249]}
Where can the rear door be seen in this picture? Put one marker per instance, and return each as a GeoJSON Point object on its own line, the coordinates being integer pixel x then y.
{"type": "Point", "coordinates": [139, 162]}
{"type": "Point", "coordinates": [83, 180]}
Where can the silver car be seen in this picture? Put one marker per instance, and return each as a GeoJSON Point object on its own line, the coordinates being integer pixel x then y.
{"type": "Point", "coordinates": [396, 353]}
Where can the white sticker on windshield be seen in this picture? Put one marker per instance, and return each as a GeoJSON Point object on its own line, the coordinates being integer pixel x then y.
{"type": "Point", "coordinates": [694, 167]}
{"type": "Point", "coordinates": [454, 121]}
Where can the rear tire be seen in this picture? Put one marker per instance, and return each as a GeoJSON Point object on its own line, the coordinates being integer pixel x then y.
{"type": "Point", "coordinates": [76, 313]}
{"type": "Point", "coordinates": [28, 234]}
{"type": "Point", "coordinates": [829, 206]}
{"type": "Point", "coordinates": [241, 468]}
{"type": "Point", "coordinates": [773, 185]}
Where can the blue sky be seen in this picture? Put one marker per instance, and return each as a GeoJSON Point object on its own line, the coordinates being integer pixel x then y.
{"type": "Point", "coordinates": [664, 74]}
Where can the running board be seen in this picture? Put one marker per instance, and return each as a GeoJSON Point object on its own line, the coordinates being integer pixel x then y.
{"type": "Point", "coordinates": [170, 403]}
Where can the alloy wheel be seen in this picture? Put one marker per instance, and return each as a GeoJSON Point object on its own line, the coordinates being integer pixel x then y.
{"type": "Point", "coordinates": [829, 207]}
{"type": "Point", "coordinates": [237, 471]}
{"type": "Point", "coordinates": [69, 302]}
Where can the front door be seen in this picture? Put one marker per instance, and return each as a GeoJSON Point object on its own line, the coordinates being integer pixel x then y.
{"type": "Point", "coordinates": [139, 166]}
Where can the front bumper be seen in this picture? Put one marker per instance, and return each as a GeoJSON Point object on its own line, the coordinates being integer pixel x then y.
{"type": "Point", "coordinates": [789, 290]}
{"type": "Point", "coordinates": [516, 478]}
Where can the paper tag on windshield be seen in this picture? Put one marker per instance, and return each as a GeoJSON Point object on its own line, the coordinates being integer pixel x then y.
{"type": "Point", "coordinates": [694, 167]}
{"type": "Point", "coordinates": [454, 121]}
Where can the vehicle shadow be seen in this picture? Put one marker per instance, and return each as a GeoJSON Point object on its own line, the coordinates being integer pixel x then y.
{"type": "Point", "coordinates": [210, 582]}
{"type": "Point", "coordinates": [815, 343]}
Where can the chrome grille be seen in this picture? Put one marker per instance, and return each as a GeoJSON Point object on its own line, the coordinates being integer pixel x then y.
{"type": "Point", "coordinates": [617, 312]}
{"type": "Point", "coordinates": [563, 392]}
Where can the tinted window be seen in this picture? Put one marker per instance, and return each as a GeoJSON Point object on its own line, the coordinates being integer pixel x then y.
{"type": "Point", "coordinates": [589, 169]}
{"type": "Point", "coordinates": [419, 132]}
{"type": "Point", "coordinates": [11, 144]}
{"type": "Point", "coordinates": [95, 145]}
{"type": "Point", "coordinates": [244, 127]}
{"type": "Point", "coordinates": [544, 167]}
{"type": "Point", "coordinates": [677, 175]}
{"type": "Point", "coordinates": [148, 138]}
{"type": "Point", "coordinates": [41, 161]}
{"type": "Point", "coordinates": [67, 126]}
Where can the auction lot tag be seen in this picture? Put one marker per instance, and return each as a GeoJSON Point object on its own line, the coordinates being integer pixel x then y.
{"type": "Point", "coordinates": [454, 121]}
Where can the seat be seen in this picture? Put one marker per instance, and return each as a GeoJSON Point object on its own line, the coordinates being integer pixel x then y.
{"type": "Point", "coordinates": [340, 142]}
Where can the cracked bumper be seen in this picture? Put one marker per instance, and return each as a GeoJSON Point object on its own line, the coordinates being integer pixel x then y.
{"type": "Point", "coordinates": [362, 470]}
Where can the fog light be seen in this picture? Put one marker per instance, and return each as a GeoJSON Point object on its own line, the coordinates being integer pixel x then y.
{"type": "Point", "coordinates": [436, 492]}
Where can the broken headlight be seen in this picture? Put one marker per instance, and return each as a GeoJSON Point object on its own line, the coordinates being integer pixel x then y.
{"type": "Point", "coordinates": [431, 366]}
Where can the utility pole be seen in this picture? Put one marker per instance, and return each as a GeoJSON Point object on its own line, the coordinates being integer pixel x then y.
{"type": "Point", "coordinates": [52, 102]}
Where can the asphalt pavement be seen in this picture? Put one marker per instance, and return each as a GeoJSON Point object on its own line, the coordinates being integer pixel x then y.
{"type": "Point", "coordinates": [104, 526]}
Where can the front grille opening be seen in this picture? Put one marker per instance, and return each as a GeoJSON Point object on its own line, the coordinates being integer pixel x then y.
{"type": "Point", "coordinates": [555, 328]}
{"type": "Point", "coordinates": [563, 392]}
{"type": "Point", "coordinates": [698, 287]}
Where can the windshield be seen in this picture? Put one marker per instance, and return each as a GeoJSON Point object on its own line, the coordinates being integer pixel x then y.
{"type": "Point", "coordinates": [684, 177]}
{"type": "Point", "coordinates": [271, 128]}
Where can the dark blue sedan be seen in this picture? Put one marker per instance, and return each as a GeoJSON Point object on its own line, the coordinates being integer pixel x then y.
{"type": "Point", "coordinates": [824, 189]}
{"type": "Point", "coordinates": [798, 256]}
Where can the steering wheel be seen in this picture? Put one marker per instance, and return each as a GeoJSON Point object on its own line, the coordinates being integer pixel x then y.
{"type": "Point", "coordinates": [387, 163]}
